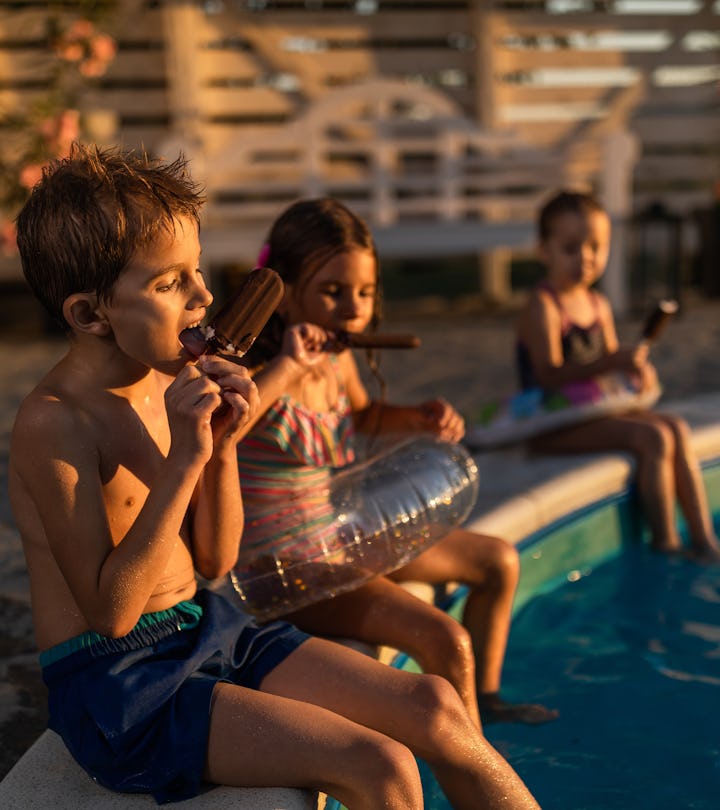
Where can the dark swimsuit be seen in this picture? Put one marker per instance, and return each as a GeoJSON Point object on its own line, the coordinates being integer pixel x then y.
{"type": "Point", "coordinates": [580, 344]}
{"type": "Point", "coordinates": [135, 711]}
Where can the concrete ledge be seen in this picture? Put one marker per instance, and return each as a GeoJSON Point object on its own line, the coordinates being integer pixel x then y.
{"type": "Point", "coordinates": [48, 777]}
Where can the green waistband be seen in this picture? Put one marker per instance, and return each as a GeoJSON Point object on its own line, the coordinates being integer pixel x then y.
{"type": "Point", "coordinates": [184, 616]}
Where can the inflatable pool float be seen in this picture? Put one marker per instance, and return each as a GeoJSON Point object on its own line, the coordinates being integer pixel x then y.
{"type": "Point", "coordinates": [535, 411]}
{"type": "Point", "coordinates": [370, 518]}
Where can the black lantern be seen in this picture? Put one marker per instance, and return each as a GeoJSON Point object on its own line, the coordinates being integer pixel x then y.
{"type": "Point", "coordinates": [656, 250]}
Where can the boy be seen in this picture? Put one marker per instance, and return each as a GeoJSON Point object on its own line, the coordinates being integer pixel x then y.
{"type": "Point", "coordinates": [123, 481]}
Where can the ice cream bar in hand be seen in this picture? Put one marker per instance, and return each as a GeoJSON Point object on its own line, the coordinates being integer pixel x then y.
{"type": "Point", "coordinates": [236, 325]}
{"type": "Point", "coordinates": [377, 340]}
{"type": "Point", "coordinates": [658, 319]}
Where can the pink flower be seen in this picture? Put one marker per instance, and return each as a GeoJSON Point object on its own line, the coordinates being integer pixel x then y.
{"type": "Point", "coordinates": [81, 29]}
{"type": "Point", "coordinates": [91, 68]}
{"type": "Point", "coordinates": [30, 174]}
{"type": "Point", "coordinates": [68, 130]}
{"type": "Point", "coordinates": [70, 51]}
{"type": "Point", "coordinates": [103, 47]}
{"type": "Point", "coordinates": [8, 238]}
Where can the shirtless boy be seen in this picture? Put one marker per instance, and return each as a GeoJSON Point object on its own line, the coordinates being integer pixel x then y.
{"type": "Point", "coordinates": [123, 481]}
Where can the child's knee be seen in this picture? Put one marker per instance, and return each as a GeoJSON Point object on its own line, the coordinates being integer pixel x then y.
{"type": "Point", "coordinates": [450, 644]}
{"type": "Point", "coordinates": [441, 707]}
{"type": "Point", "coordinates": [657, 440]}
{"type": "Point", "coordinates": [507, 561]}
{"type": "Point", "coordinates": [501, 567]}
{"type": "Point", "coordinates": [680, 428]}
{"type": "Point", "coordinates": [388, 770]}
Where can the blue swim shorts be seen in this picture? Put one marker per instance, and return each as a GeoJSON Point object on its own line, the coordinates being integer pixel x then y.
{"type": "Point", "coordinates": [135, 711]}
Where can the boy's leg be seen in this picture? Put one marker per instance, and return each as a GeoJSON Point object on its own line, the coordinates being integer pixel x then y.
{"type": "Point", "coordinates": [423, 712]}
{"type": "Point", "coordinates": [383, 612]}
{"type": "Point", "coordinates": [263, 740]}
{"type": "Point", "coordinates": [490, 567]}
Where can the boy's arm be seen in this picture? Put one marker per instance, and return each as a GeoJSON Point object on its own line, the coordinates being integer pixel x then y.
{"type": "Point", "coordinates": [218, 516]}
{"type": "Point", "coordinates": [218, 511]}
{"type": "Point", "coordinates": [57, 460]}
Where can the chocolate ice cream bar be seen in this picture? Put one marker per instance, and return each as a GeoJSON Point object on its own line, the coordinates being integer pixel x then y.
{"type": "Point", "coordinates": [658, 319]}
{"type": "Point", "coordinates": [377, 340]}
{"type": "Point", "coordinates": [234, 328]}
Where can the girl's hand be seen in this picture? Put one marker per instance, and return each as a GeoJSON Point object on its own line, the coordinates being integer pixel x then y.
{"type": "Point", "coordinates": [440, 418]}
{"type": "Point", "coordinates": [305, 343]}
{"type": "Point", "coordinates": [630, 360]}
{"type": "Point", "coordinates": [647, 378]}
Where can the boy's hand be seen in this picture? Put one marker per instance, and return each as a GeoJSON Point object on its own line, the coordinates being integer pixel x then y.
{"type": "Point", "coordinates": [239, 397]}
{"type": "Point", "coordinates": [211, 398]}
{"type": "Point", "coordinates": [439, 417]}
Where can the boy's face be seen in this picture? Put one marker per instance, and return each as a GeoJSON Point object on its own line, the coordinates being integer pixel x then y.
{"type": "Point", "coordinates": [161, 292]}
{"type": "Point", "coordinates": [576, 251]}
{"type": "Point", "coordinates": [340, 295]}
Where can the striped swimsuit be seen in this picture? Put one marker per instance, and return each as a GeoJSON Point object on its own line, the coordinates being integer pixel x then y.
{"type": "Point", "coordinates": [285, 464]}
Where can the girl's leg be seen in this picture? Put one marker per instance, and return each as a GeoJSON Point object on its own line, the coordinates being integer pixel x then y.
{"type": "Point", "coordinates": [423, 712]}
{"type": "Point", "coordinates": [652, 443]}
{"type": "Point", "coordinates": [383, 612]}
{"type": "Point", "coordinates": [490, 567]}
{"type": "Point", "coordinates": [690, 489]}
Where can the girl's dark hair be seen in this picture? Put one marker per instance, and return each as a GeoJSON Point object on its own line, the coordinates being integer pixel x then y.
{"type": "Point", "coordinates": [301, 241]}
{"type": "Point", "coordinates": [565, 202]}
{"type": "Point", "coordinates": [91, 213]}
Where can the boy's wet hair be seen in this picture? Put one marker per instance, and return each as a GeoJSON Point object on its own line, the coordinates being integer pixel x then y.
{"type": "Point", "coordinates": [302, 240]}
{"type": "Point", "coordinates": [565, 202]}
{"type": "Point", "coordinates": [91, 213]}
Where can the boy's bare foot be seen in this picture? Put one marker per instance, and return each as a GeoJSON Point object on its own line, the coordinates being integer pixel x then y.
{"type": "Point", "coordinates": [493, 709]}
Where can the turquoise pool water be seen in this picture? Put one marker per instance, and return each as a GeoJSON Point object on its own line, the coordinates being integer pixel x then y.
{"type": "Point", "coordinates": [626, 644]}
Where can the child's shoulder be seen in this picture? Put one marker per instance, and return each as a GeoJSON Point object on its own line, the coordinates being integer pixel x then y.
{"type": "Point", "coordinates": [56, 414]}
{"type": "Point", "coordinates": [47, 415]}
{"type": "Point", "coordinates": [539, 302]}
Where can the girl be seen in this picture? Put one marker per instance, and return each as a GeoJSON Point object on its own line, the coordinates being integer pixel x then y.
{"type": "Point", "coordinates": [566, 334]}
{"type": "Point", "coordinates": [314, 401]}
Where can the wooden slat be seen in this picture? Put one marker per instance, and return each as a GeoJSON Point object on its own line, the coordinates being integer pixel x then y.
{"type": "Point", "coordinates": [564, 59]}
{"type": "Point", "coordinates": [511, 94]}
{"type": "Point", "coordinates": [144, 65]}
{"type": "Point", "coordinates": [27, 64]}
{"type": "Point", "coordinates": [129, 102]}
{"type": "Point", "coordinates": [678, 128]}
{"type": "Point", "coordinates": [226, 102]}
{"type": "Point", "coordinates": [689, 167]}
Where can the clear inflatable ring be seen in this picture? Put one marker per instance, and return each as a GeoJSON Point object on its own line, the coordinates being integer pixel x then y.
{"type": "Point", "coordinates": [366, 520]}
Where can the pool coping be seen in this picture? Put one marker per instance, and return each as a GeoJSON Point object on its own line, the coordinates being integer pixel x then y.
{"type": "Point", "coordinates": [520, 494]}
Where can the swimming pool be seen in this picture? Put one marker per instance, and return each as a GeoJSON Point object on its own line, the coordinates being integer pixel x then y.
{"type": "Point", "coordinates": [626, 644]}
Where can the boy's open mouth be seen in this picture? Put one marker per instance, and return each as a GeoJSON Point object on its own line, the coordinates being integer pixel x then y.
{"type": "Point", "coordinates": [194, 339]}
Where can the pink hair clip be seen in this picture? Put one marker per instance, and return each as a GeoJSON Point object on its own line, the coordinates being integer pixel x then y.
{"type": "Point", "coordinates": [264, 255]}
